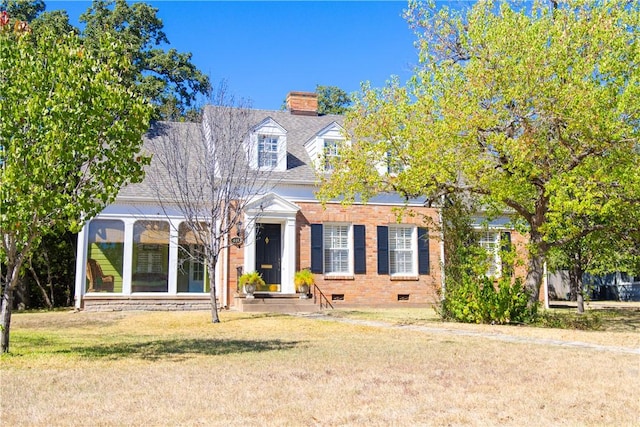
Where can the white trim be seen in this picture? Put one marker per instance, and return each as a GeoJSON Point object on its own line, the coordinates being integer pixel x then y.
{"type": "Point", "coordinates": [273, 209]}
{"type": "Point", "coordinates": [269, 128]}
{"type": "Point", "coordinates": [127, 262]}
{"type": "Point", "coordinates": [172, 286]}
{"type": "Point", "coordinates": [81, 263]}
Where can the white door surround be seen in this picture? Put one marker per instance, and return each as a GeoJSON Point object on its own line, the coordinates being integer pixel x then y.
{"type": "Point", "coordinates": [273, 209]}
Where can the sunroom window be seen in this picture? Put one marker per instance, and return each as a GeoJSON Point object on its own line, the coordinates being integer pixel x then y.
{"type": "Point", "coordinates": [150, 256]}
{"type": "Point", "coordinates": [105, 256]}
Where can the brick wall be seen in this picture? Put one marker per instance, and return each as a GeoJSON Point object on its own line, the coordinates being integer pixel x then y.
{"type": "Point", "coordinates": [370, 289]}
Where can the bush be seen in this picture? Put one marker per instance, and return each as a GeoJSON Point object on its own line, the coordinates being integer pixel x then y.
{"type": "Point", "coordinates": [478, 300]}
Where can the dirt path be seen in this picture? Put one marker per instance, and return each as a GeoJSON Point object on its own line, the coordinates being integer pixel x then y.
{"type": "Point", "coordinates": [488, 335]}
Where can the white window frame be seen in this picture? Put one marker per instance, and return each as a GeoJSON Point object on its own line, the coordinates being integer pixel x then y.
{"type": "Point", "coordinates": [349, 248]}
{"type": "Point", "coordinates": [412, 249]}
{"type": "Point", "coordinates": [274, 155]}
{"type": "Point", "coordinates": [490, 241]}
{"type": "Point", "coordinates": [330, 150]}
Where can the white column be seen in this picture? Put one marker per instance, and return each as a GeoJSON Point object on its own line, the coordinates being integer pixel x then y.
{"type": "Point", "coordinates": [173, 258]}
{"type": "Point", "coordinates": [250, 244]}
{"type": "Point", "coordinates": [222, 271]}
{"type": "Point", "coordinates": [81, 263]}
{"type": "Point", "coordinates": [289, 256]}
{"type": "Point", "coordinates": [127, 262]}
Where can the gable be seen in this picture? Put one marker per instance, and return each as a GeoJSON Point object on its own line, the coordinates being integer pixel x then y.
{"type": "Point", "coordinates": [315, 146]}
{"type": "Point", "coordinates": [271, 204]}
{"type": "Point", "coordinates": [267, 146]}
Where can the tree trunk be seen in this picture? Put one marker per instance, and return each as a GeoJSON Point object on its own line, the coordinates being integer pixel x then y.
{"type": "Point", "coordinates": [5, 317]}
{"type": "Point", "coordinates": [580, 299]}
{"type": "Point", "coordinates": [575, 283]}
{"type": "Point", "coordinates": [576, 271]}
{"type": "Point", "coordinates": [535, 271]}
{"type": "Point", "coordinates": [212, 293]}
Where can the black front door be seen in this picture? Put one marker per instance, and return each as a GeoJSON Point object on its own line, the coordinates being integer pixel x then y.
{"type": "Point", "coordinates": [268, 255]}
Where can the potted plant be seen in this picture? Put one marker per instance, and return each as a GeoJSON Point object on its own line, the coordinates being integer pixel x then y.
{"type": "Point", "coordinates": [250, 281]}
{"type": "Point", "coordinates": [303, 280]}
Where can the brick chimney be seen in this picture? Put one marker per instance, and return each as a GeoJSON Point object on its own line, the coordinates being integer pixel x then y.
{"type": "Point", "coordinates": [302, 103]}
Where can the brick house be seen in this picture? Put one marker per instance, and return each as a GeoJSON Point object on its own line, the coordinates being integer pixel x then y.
{"type": "Point", "coordinates": [129, 256]}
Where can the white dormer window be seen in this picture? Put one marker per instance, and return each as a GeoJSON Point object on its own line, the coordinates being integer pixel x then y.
{"type": "Point", "coordinates": [330, 153]}
{"type": "Point", "coordinates": [267, 148]}
{"type": "Point", "coordinates": [267, 151]}
{"type": "Point", "coordinates": [324, 147]}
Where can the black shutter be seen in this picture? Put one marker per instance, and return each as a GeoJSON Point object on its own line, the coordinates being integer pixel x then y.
{"type": "Point", "coordinates": [383, 249]}
{"type": "Point", "coordinates": [316, 249]}
{"type": "Point", "coordinates": [505, 241]}
{"type": "Point", "coordinates": [423, 250]}
{"type": "Point", "coordinates": [359, 250]}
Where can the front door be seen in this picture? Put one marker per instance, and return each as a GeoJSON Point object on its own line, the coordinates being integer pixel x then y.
{"type": "Point", "coordinates": [268, 255]}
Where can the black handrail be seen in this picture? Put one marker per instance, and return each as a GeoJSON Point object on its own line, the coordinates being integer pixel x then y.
{"type": "Point", "coordinates": [318, 294]}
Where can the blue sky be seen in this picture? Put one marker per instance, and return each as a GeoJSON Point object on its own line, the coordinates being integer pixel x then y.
{"type": "Point", "coordinates": [266, 49]}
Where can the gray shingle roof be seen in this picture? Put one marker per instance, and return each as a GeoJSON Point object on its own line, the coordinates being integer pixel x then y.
{"type": "Point", "coordinates": [300, 129]}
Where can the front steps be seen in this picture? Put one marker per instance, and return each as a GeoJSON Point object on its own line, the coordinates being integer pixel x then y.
{"type": "Point", "coordinates": [276, 303]}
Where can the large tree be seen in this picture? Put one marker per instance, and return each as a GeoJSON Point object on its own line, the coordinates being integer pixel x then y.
{"type": "Point", "coordinates": [166, 77]}
{"type": "Point", "coordinates": [602, 234]}
{"type": "Point", "coordinates": [70, 132]}
{"type": "Point", "coordinates": [511, 104]}
{"type": "Point", "coordinates": [332, 100]}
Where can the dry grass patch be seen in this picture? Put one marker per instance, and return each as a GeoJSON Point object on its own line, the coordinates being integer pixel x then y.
{"type": "Point", "coordinates": [617, 327]}
{"type": "Point", "coordinates": [178, 369]}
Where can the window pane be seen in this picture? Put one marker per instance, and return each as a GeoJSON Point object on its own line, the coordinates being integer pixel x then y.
{"type": "Point", "coordinates": [191, 269]}
{"type": "Point", "coordinates": [336, 248]}
{"type": "Point", "coordinates": [330, 153]}
{"type": "Point", "coordinates": [267, 151]}
{"type": "Point", "coordinates": [401, 250]}
{"type": "Point", "coordinates": [489, 241]}
{"type": "Point", "coordinates": [150, 256]}
{"type": "Point", "coordinates": [105, 255]}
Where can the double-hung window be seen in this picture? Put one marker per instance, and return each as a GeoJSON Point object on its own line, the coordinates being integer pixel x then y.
{"type": "Point", "coordinates": [330, 154]}
{"type": "Point", "coordinates": [337, 249]}
{"type": "Point", "coordinates": [402, 250]}
{"type": "Point", "coordinates": [490, 242]}
{"type": "Point", "coordinates": [267, 151]}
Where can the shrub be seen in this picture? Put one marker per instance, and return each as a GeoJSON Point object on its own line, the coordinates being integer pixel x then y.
{"type": "Point", "coordinates": [478, 300]}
